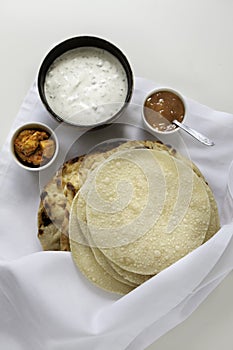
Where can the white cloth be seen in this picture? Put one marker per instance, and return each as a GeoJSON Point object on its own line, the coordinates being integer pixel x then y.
{"type": "Point", "coordinates": [45, 302]}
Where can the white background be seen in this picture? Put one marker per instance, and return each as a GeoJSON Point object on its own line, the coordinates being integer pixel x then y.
{"type": "Point", "coordinates": [187, 45]}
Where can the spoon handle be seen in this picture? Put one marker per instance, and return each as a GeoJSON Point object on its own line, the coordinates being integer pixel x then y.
{"type": "Point", "coordinates": [203, 139]}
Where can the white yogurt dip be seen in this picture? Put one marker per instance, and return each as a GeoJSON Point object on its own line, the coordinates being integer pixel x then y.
{"type": "Point", "coordinates": [86, 86]}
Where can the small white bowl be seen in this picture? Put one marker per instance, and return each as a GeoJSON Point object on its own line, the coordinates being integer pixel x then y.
{"type": "Point", "coordinates": [149, 126]}
{"type": "Point", "coordinates": [39, 126]}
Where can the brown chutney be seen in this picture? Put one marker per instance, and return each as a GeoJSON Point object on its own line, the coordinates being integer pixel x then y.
{"type": "Point", "coordinates": [161, 108]}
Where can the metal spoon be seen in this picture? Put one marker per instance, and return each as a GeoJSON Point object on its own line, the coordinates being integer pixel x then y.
{"type": "Point", "coordinates": [203, 139]}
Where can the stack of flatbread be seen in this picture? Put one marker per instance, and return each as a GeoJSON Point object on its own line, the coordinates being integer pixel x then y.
{"type": "Point", "coordinates": [127, 213]}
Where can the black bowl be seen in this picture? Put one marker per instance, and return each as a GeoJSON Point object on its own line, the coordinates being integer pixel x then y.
{"type": "Point", "coordinates": [83, 41]}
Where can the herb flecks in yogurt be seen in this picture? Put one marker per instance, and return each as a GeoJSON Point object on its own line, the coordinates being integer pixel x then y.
{"type": "Point", "coordinates": [86, 86]}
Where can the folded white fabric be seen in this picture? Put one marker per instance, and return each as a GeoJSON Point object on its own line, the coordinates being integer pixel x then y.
{"type": "Point", "coordinates": [46, 303]}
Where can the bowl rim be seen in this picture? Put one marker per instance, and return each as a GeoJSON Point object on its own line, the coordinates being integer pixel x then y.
{"type": "Point", "coordinates": [109, 45]}
{"type": "Point", "coordinates": [169, 89]}
{"type": "Point", "coordinates": [41, 126]}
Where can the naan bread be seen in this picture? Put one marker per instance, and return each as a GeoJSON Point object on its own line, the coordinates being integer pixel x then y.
{"type": "Point", "coordinates": [51, 214]}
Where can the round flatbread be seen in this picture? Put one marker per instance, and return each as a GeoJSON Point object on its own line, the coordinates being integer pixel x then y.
{"type": "Point", "coordinates": [168, 239]}
{"type": "Point", "coordinates": [87, 264]}
{"type": "Point", "coordinates": [130, 276]}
